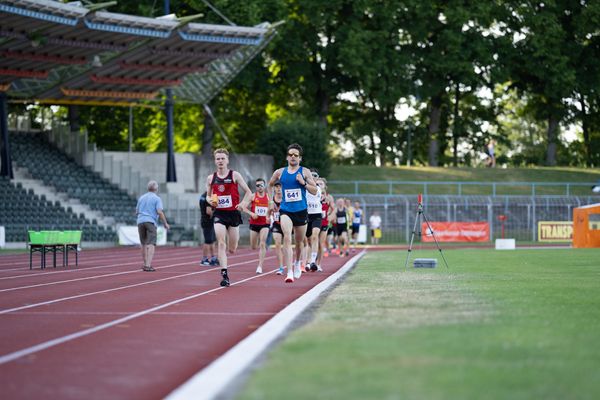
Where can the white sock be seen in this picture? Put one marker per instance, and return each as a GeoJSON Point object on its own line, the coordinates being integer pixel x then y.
{"type": "Point", "coordinates": [313, 257]}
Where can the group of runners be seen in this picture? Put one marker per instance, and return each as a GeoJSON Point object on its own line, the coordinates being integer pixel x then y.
{"type": "Point", "coordinates": [293, 207]}
{"type": "Point", "coordinates": [293, 204]}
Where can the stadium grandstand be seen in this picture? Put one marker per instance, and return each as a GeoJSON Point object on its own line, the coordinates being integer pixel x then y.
{"type": "Point", "coordinates": [79, 53]}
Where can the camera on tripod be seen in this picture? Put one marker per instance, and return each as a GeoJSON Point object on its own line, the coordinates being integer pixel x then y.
{"type": "Point", "coordinates": [423, 262]}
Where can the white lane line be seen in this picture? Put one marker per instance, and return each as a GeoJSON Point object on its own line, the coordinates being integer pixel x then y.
{"type": "Point", "coordinates": [10, 310]}
{"type": "Point", "coordinates": [76, 335]}
{"type": "Point", "coordinates": [80, 269]}
{"type": "Point", "coordinates": [210, 382]}
{"type": "Point", "coordinates": [191, 313]}
{"type": "Point", "coordinates": [101, 276]}
{"type": "Point", "coordinates": [90, 277]}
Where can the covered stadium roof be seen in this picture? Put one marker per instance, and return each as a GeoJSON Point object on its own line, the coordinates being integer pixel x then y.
{"type": "Point", "coordinates": [59, 53]}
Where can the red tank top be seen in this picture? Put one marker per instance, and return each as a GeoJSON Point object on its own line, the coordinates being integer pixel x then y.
{"type": "Point", "coordinates": [227, 192]}
{"type": "Point", "coordinates": [260, 207]}
{"type": "Point", "coordinates": [324, 214]}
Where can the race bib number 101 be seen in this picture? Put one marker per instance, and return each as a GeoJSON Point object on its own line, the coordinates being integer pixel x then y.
{"type": "Point", "coordinates": [261, 211]}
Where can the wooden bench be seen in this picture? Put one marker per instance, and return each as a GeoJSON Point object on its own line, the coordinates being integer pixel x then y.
{"type": "Point", "coordinates": [44, 242]}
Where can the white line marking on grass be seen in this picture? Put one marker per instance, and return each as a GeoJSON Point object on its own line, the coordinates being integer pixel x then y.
{"type": "Point", "coordinates": [94, 277]}
{"type": "Point", "coordinates": [63, 339]}
{"type": "Point", "coordinates": [216, 377]}
{"type": "Point", "coordinates": [10, 310]}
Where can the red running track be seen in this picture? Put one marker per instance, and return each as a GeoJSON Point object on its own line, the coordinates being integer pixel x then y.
{"type": "Point", "coordinates": [106, 329]}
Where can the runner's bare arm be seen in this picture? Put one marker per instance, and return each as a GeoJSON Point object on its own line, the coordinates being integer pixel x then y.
{"type": "Point", "coordinates": [209, 190]}
{"type": "Point", "coordinates": [276, 176]}
{"type": "Point", "coordinates": [309, 182]}
{"type": "Point", "coordinates": [248, 208]}
{"type": "Point", "coordinates": [237, 178]}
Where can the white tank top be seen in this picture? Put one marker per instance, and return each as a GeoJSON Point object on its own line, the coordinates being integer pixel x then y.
{"type": "Point", "coordinates": [314, 202]}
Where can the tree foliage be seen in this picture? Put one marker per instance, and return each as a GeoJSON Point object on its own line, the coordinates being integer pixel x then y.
{"type": "Point", "coordinates": [448, 74]}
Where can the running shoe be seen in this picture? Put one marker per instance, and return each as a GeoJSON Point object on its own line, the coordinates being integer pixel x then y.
{"type": "Point", "coordinates": [290, 276]}
{"type": "Point", "coordinates": [319, 269]}
{"type": "Point", "coordinates": [225, 277]}
{"type": "Point", "coordinates": [306, 268]}
{"type": "Point", "coordinates": [259, 270]}
{"type": "Point", "coordinates": [313, 267]}
{"type": "Point", "coordinates": [205, 261]}
{"type": "Point", "coordinates": [326, 254]}
{"type": "Point", "coordinates": [280, 271]}
{"type": "Point", "coordinates": [347, 254]}
{"type": "Point", "coordinates": [297, 272]}
{"type": "Point", "coordinates": [214, 260]}
{"type": "Point", "coordinates": [148, 269]}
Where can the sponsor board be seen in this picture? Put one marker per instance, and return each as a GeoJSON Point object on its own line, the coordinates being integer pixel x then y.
{"type": "Point", "coordinates": [457, 232]}
{"type": "Point", "coordinates": [129, 236]}
{"type": "Point", "coordinates": [555, 231]}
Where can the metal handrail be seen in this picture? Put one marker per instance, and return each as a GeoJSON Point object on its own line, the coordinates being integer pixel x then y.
{"type": "Point", "coordinates": [427, 185]}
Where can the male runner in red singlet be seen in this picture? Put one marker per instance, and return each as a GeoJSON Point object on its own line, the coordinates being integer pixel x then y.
{"type": "Point", "coordinates": [327, 207]}
{"type": "Point", "coordinates": [222, 190]}
{"type": "Point", "coordinates": [259, 226]}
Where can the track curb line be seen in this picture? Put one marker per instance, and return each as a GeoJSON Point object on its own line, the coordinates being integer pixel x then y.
{"type": "Point", "coordinates": [217, 376]}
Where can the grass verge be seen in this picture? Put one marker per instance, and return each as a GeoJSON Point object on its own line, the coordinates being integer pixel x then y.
{"type": "Point", "coordinates": [499, 324]}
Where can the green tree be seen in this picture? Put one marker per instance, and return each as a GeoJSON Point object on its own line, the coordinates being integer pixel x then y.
{"type": "Point", "coordinates": [310, 134]}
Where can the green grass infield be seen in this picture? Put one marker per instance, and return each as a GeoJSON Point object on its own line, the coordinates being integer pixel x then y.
{"type": "Point", "coordinates": [520, 324]}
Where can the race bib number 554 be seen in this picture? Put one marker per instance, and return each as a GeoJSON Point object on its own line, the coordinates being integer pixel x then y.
{"type": "Point", "coordinates": [292, 195]}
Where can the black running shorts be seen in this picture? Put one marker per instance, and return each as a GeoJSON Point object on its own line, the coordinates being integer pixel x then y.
{"type": "Point", "coordinates": [258, 228]}
{"type": "Point", "coordinates": [341, 228]}
{"type": "Point", "coordinates": [298, 218]}
{"type": "Point", "coordinates": [314, 222]}
{"type": "Point", "coordinates": [227, 218]}
{"type": "Point", "coordinates": [276, 228]}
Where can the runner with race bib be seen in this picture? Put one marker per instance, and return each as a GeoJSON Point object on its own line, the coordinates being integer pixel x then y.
{"type": "Point", "coordinates": [314, 223]}
{"type": "Point", "coordinates": [222, 190]}
{"type": "Point", "coordinates": [295, 181]}
{"type": "Point", "coordinates": [259, 226]}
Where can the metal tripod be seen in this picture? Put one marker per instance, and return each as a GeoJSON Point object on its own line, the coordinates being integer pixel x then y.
{"type": "Point", "coordinates": [420, 214]}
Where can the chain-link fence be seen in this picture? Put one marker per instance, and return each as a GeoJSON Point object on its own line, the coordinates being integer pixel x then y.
{"type": "Point", "coordinates": [522, 213]}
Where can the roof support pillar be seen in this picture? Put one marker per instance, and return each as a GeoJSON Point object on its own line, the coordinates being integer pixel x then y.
{"type": "Point", "coordinates": [6, 168]}
{"type": "Point", "coordinates": [171, 175]}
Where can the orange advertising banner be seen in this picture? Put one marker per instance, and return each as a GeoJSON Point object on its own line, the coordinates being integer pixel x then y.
{"type": "Point", "coordinates": [457, 232]}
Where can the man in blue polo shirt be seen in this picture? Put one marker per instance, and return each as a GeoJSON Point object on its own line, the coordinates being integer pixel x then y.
{"type": "Point", "coordinates": [149, 208]}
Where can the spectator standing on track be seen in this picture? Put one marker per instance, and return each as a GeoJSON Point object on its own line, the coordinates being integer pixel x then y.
{"type": "Point", "coordinates": [356, 221]}
{"type": "Point", "coordinates": [276, 226]}
{"type": "Point", "coordinates": [295, 181]}
{"type": "Point", "coordinates": [208, 231]}
{"type": "Point", "coordinates": [259, 226]}
{"type": "Point", "coordinates": [222, 190]}
{"type": "Point", "coordinates": [375, 225]}
{"type": "Point", "coordinates": [148, 209]}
